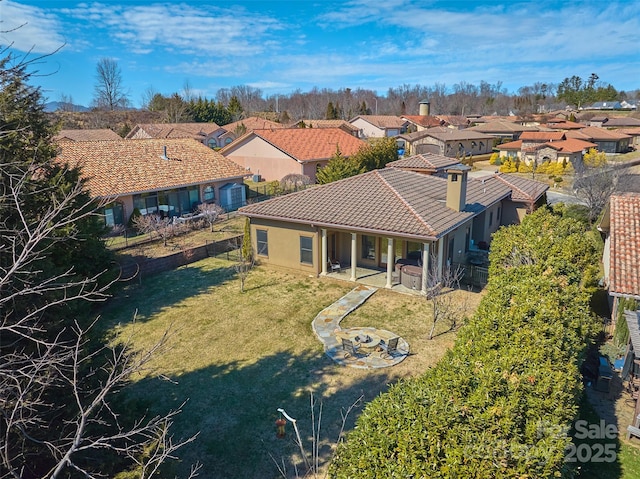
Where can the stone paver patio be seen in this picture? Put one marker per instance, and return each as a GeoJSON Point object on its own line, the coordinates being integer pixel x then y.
{"type": "Point", "coordinates": [327, 323]}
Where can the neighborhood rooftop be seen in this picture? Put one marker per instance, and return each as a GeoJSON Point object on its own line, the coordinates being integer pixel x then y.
{"type": "Point", "coordinates": [624, 277]}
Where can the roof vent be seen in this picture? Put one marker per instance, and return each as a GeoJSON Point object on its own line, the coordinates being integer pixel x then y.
{"type": "Point", "coordinates": [164, 153]}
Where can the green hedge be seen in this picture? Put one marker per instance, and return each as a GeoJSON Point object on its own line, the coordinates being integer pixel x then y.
{"type": "Point", "coordinates": [498, 403]}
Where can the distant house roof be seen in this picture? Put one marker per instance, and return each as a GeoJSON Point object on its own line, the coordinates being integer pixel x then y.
{"type": "Point", "coordinates": [624, 274]}
{"type": "Point", "coordinates": [449, 134]}
{"type": "Point", "coordinates": [305, 144]}
{"type": "Point", "coordinates": [425, 162]}
{"type": "Point", "coordinates": [542, 136]}
{"type": "Point", "coordinates": [117, 168]}
{"type": "Point", "coordinates": [618, 122]}
{"type": "Point", "coordinates": [252, 123]}
{"type": "Point", "coordinates": [604, 105]}
{"type": "Point", "coordinates": [561, 124]}
{"type": "Point", "coordinates": [198, 131]}
{"type": "Point", "coordinates": [386, 201]}
{"type": "Point", "coordinates": [501, 126]}
{"type": "Point", "coordinates": [522, 189]}
{"type": "Point", "coordinates": [512, 145]}
{"type": "Point", "coordinates": [87, 135]}
{"type": "Point", "coordinates": [570, 145]}
{"type": "Point", "coordinates": [382, 121]}
{"type": "Point", "coordinates": [343, 124]}
{"type": "Point", "coordinates": [425, 121]}
{"type": "Point", "coordinates": [591, 133]}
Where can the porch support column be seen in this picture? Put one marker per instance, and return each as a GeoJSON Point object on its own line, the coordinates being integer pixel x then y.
{"type": "Point", "coordinates": [354, 255]}
{"type": "Point", "coordinates": [323, 245]}
{"type": "Point", "coordinates": [440, 256]}
{"type": "Point", "coordinates": [425, 267]}
{"type": "Point", "coordinates": [390, 262]}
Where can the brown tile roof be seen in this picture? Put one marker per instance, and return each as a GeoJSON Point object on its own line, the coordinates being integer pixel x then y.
{"type": "Point", "coordinates": [307, 144]}
{"type": "Point", "coordinates": [197, 131]}
{"type": "Point", "coordinates": [345, 125]}
{"type": "Point", "coordinates": [624, 274]}
{"type": "Point", "coordinates": [253, 123]}
{"type": "Point", "coordinates": [382, 121]}
{"type": "Point", "coordinates": [443, 133]}
{"type": "Point", "coordinates": [387, 201]}
{"type": "Point", "coordinates": [542, 136]}
{"type": "Point", "coordinates": [424, 162]}
{"type": "Point", "coordinates": [622, 121]}
{"type": "Point", "coordinates": [511, 145]}
{"type": "Point", "coordinates": [597, 133]}
{"type": "Point", "coordinates": [116, 168]}
{"type": "Point", "coordinates": [523, 189]}
{"type": "Point", "coordinates": [87, 135]}
{"type": "Point", "coordinates": [561, 124]}
{"type": "Point", "coordinates": [502, 126]}
{"type": "Point", "coordinates": [426, 121]}
{"type": "Point", "coordinates": [572, 145]}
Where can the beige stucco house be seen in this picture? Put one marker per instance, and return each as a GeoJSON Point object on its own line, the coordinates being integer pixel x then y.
{"type": "Point", "coordinates": [377, 219]}
{"type": "Point", "coordinates": [447, 142]}
{"type": "Point", "coordinates": [379, 126]}
{"type": "Point", "coordinates": [206, 133]}
{"type": "Point", "coordinates": [168, 177]}
{"type": "Point", "coordinates": [273, 154]}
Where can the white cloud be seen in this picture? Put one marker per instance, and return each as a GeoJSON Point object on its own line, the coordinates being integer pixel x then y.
{"type": "Point", "coordinates": [28, 28]}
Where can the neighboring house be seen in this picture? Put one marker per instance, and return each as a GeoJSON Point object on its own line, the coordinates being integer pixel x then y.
{"type": "Point", "coordinates": [205, 133]}
{"type": "Point", "coordinates": [375, 219]}
{"type": "Point", "coordinates": [87, 135]}
{"type": "Point", "coordinates": [447, 142]}
{"type": "Point", "coordinates": [502, 129]}
{"type": "Point", "coordinates": [562, 124]}
{"type": "Point", "coordinates": [614, 122]}
{"type": "Point", "coordinates": [569, 150]}
{"type": "Point", "coordinates": [634, 133]}
{"type": "Point", "coordinates": [273, 154]}
{"type": "Point", "coordinates": [608, 141]}
{"type": "Point", "coordinates": [621, 260]}
{"type": "Point", "coordinates": [425, 163]}
{"type": "Point", "coordinates": [167, 177]}
{"type": "Point", "coordinates": [604, 105]}
{"type": "Point", "coordinates": [379, 126]}
{"type": "Point", "coordinates": [342, 124]}
{"type": "Point", "coordinates": [246, 125]}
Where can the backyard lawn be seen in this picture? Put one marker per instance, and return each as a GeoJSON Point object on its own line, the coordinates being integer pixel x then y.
{"type": "Point", "coordinates": [238, 357]}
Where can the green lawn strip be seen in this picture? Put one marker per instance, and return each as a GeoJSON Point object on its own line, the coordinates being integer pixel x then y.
{"type": "Point", "coordinates": [238, 357]}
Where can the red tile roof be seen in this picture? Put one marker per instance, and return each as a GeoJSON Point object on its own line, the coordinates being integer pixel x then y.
{"type": "Point", "coordinates": [426, 121]}
{"type": "Point", "coordinates": [306, 144]}
{"type": "Point", "coordinates": [387, 201]}
{"type": "Point", "coordinates": [512, 145]}
{"type": "Point", "coordinates": [542, 136]}
{"type": "Point", "coordinates": [624, 274]}
{"type": "Point", "coordinates": [87, 135]}
{"type": "Point", "coordinates": [572, 145]}
{"type": "Point", "coordinates": [117, 168]}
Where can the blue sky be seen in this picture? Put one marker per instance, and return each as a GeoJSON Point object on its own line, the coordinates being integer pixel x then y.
{"type": "Point", "coordinates": [280, 46]}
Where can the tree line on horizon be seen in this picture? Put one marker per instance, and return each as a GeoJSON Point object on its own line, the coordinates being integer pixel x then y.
{"type": "Point", "coordinates": [463, 98]}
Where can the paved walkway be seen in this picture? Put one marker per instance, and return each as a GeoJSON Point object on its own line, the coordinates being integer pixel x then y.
{"type": "Point", "coordinates": [327, 323]}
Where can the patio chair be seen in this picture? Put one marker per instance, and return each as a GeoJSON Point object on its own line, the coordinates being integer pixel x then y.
{"type": "Point", "coordinates": [350, 348]}
{"type": "Point", "coordinates": [335, 266]}
{"type": "Point", "coordinates": [392, 348]}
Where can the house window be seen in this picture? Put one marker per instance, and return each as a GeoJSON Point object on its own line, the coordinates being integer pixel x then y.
{"type": "Point", "coordinates": [490, 218]}
{"type": "Point", "coordinates": [306, 249]}
{"type": "Point", "coordinates": [498, 215]}
{"type": "Point", "coordinates": [113, 214]}
{"type": "Point", "coordinates": [454, 177]}
{"type": "Point", "coordinates": [262, 242]}
{"type": "Point", "coordinates": [473, 145]}
{"type": "Point", "coordinates": [482, 145]}
{"type": "Point", "coordinates": [368, 247]}
{"type": "Point", "coordinates": [209, 194]}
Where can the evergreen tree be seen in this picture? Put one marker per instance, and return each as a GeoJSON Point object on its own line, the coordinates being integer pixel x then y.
{"type": "Point", "coordinates": [338, 168]}
{"type": "Point", "coordinates": [235, 109]}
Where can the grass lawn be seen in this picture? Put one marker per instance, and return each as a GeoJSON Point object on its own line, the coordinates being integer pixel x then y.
{"type": "Point", "coordinates": [237, 357]}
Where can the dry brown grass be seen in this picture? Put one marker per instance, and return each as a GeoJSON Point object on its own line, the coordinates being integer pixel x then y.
{"type": "Point", "coordinates": [238, 357]}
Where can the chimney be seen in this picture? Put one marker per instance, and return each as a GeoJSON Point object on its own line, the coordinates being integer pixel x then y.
{"type": "Point", "coordinates": [457, 186]}
{"type": "Point", "coordinates": [164, 153]}
{"type": "Point", "coordinates": [425, 108]}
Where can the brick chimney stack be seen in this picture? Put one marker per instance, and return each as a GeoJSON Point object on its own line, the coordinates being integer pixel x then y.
{"type": "Point", "coordinates": [457, 187]}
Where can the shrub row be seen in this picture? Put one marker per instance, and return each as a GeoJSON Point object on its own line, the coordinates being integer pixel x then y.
{"type": "Point", "coordinates": [500, 402]}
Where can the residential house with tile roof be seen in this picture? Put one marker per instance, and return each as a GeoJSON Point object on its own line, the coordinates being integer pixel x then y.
{"type": "Point", "coordinates": [273, 154]}
{"type": "Point", "coordinates": [342, 124]}
{"type": "Point", "coordinates": [447, 142]}
{"type": "Point", "coordinates": [562, 124]}
{"type": "Point", "coordinates": [206, 133]}
{"type": "Point", "coordinates": [87, 135]}
{"type": "Point", "coordinates": [425, 163]}
{"type": "Point", "coordinates": [383, 217]}
{"type": "Point", "coordinates": [608, 141]}
{"type": "Point", "coordinates": [565, 150]}
{"type": "Point", "coordinates": [503, 129]}
{"type": "Point", "coordinates": [246, 125]}
{"type": "Point", "coordinates": [379, 126]}
{"type": "Point", "coordinates": [169, 177]}
{"type": "Point", "coordinates": [614, 122]}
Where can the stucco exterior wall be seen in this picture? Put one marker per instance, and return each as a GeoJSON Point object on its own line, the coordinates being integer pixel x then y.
{"type": "Point", "coordinates": [264, 159]}
{"type": "Point", "coordinates": [367, 130]}
{"type": "Point", "coordinates": [283, 240]}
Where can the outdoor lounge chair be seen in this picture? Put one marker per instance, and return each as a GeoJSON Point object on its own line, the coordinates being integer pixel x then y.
{"type": "Point", "coordinates": [350, 349]}
{"type": "Point", "coordinates": [392, 348]}
{"type": "Point", "coordinates": [335, 266]}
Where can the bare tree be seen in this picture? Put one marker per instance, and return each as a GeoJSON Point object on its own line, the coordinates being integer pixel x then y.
{"type": "Point", "coordinates": [155, 224]}
{"type": "Point", "coordinates": [210, 212]}
{"type": "Point", "coordinates": [35, 367]}
{"type": "Point", "coordinates": [442, 294]}
{"type": "Point", "coordinates": [294, 181]}
{"type": "Point", "coordinates": [109, 92]}
{"type": "Point", "coordinates": [594, 184]}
